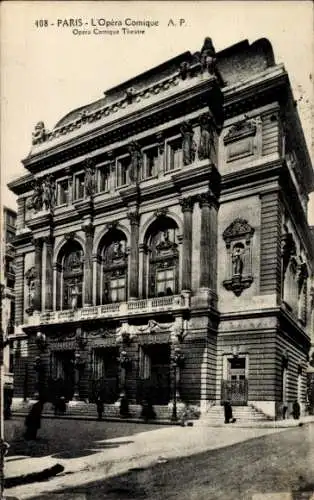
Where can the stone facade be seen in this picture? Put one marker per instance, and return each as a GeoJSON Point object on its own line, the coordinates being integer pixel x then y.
{"type": "Point", "coordinates": [162, 243]}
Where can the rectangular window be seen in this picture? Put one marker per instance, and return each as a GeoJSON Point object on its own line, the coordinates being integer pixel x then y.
{"type": "Point", "coordinates": [103, 178]}
{"type": "Point", "coordinates": [165, 282]}
{"type": "Point", "coordinates": [79, 186]}
{"type": "Point", "coordinates": [174, 154]}
{"type": "Point", "coordinates": [150, 164]}
{"type": "Point", "coordinates": [121, 170]}
{"type": "Point", "coordinates": [117, 289]}
{"type": "Point", "coordinates": [63, 192]}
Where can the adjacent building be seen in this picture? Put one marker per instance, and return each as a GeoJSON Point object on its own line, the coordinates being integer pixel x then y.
{"type": "Point", "coordinates": [162, 242]}
{"type": "Point", "coordinates": [7, 302]}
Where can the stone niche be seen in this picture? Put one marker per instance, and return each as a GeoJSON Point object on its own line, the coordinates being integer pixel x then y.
{"type": "Point", "coordinates": [238, 237]}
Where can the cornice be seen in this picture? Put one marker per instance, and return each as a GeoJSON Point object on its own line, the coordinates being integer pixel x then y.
{"type": "Point", "coordinates": [171, 104]}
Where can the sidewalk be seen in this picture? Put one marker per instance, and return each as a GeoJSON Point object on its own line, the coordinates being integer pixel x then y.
{"type": "Point", "coordinates": [145, 449]}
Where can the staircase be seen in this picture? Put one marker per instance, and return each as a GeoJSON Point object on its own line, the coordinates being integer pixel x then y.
{"type": "Point", "coordinates": [244, 415]}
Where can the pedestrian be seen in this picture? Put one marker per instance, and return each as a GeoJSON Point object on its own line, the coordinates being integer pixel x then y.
{"type": "Point", "coordinates": [228, 412]}
{"type": "Point", "coordinates": [148, 412]}
{"type": "Point", "coordinates": [33, 420]}
{"type": "Point", "coordinates": [284, 410]}
{"type": "Point", "coordinates": [296, 410]}
{"type": "Point", "coordinates": [100, 406]}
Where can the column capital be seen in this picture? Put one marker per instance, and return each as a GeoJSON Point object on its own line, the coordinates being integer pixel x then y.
{"type": "Point", "coordinates": [88, 229]}
{"type": "Point", "coordinates": [207, 199]}
{"type": "Point", "coordinates": [38, 243]}
{"type": "Point", "coordinates": [48, 240]}
{"type": "Point", "coordinates": [134, 217]}
{"type": "Point", "coordinates": [187, 204]}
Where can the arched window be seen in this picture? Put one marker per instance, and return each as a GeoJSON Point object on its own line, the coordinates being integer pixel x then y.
{"type": "Point", "coordinates": [163, 258]}
{"type": "Point", "coordinates": [113, 267]}
{"type": "Point", "coordinates": [70, 273]}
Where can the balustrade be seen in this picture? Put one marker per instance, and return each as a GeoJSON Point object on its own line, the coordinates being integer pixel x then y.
{"type": "Point", "coordinates": [116, 309]}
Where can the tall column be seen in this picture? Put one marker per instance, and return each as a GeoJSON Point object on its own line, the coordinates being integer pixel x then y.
{"type": "Point", "coordinates": [88, 271]}
{"type": "Point", "coordinates": [187, 209]}
{"type": "Point", "coordinates": [48, 240]}
{"type": "Point", "coordinates": [20, 220]}
{"type": "Point", "coordinates": [134, 255]}
{"type": "Point", "coordinates": [19, 288]}
{"type": "Point", "coordinates": [38, 244]}
{"type": "Point", "coordinates": [208, 243]}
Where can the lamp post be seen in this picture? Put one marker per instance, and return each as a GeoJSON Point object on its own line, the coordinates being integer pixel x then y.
{"type": "Point", "coordinates": [78, 364]}
{"type": "Point", "coordinates": [124, 362]}
{"type": "Point", "coordinates": [41, 342]}
{"type": "Point", "coordinates": [177, 360]}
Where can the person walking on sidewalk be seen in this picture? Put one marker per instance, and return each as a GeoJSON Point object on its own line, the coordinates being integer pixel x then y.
{"type": "Point", "coordinates": [100, 406]}
{"type": "Point", "coordinates": [33, 419]}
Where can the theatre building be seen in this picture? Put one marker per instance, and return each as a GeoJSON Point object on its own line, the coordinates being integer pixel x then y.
{"type": "Point", "coordinates": [162, 243]}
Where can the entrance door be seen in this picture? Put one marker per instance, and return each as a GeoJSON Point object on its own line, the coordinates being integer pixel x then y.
{"type": "Point", "coordinates": [105, 375]}
{"type": "Point", "coordinates": [235, 388]}
{"type": "Point", "coordinates": [63, 374]}
{"type": "Point", "coordinates": [154, 376]}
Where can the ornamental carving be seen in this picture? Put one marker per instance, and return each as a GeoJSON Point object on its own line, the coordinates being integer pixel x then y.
{"type": "Point", "coordinates": [188, 144]}
{"type": "Point", "coordinates": [207, 137]}
{"type": "Point", "coordinates": [161, 212]}
{"type": "Point", "coordinates": [239, 228]}
{"type": "Point", "coordinates": [243, 128]}
{"type": "Point", "coordinates": [187, 204]}
{"type": "Point", "coordinates": [303, 274]}
{"type": "Point", "coordinates": [238, 237]}
{"type": "Point", "coordinates": [288, 249]}
{"type": "Point", "coordinates": [208, 57]}
{"type": "Point", "coordinates": [185, 70]}
{"type": "Point", "coordinates": [39, 134]}
{"type": "Point", "coordinates": [130, 95]}
{"type": "Point", "coordinates": [31, 277]}
{"type": "Point", "coordinates": [165, 244]}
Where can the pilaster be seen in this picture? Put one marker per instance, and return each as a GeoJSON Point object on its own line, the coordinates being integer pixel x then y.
{"type": "Point", "coordinates": [38, 244]}
{"type": "Point", "coordinates": [187, 209]}
{"type": "Point", "coordinates": [88, 271]}
{"type": "Point", "coordinates": [134, 254]}
{"type": "Point", "coordinates": [48, 288]}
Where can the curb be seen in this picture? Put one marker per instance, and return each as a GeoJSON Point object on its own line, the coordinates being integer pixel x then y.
{"type": "Point", "coordinates": [104, 419]}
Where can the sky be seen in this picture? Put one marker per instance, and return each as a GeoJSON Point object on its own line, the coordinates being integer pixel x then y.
{"type": "Point", "coordinates": [46, 71]}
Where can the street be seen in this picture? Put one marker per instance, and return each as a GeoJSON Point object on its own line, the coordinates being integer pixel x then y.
{"type": "Point", "coordinates": [67, 438]}
{"type": "Point", "coordinates": [280, 463]}
{"type": "Point", "coordinates": [146, 461]}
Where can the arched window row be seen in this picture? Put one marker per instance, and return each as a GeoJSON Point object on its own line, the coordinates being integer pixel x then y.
{"type": "Point", "coordinates": [160, 258]}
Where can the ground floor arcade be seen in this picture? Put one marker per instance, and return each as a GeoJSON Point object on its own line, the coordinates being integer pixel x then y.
{"type": "Point", "coordinates": [252, 361]}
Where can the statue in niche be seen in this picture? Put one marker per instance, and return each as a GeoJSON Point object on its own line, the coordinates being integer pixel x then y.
{"type": "Point", "coordinates": [31, 284]}
{"type": "Point", "coordinates": [208, 56]}
{"type": "Point", "coordinates": [237, 259]}
{"type": "Point", "coordinates": [188, 144]}
{"type": "Point", "coordinates": [39, 134]}
{"type": "Point", "coordinates": [74, 294]}
{"type": "Point", "coordinates": [207, 138]}
{"type": "Point", "coordinates": [48, 192]}
{"type": "Point", "coordinates": [117, 250]}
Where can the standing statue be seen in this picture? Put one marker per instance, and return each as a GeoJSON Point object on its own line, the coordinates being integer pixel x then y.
{"type": "Point", "coordinates": [237, 260]}
{"type": "Point", "coordinates": [208, 56]}
{"type": "Point", "coordinates": [48, 196]}
{"type": "Point", "coordinates": [135, 163]}
{"type": "Point", "coordinates": [89, 180]}
{"type": "Point", "coordinates": [188, 145]}
{"type": "Point", "coordinates": [74, 293]}
{"type": "Point", "coordinates": [207, 138]}
{"type": "Point", "coordinates": [36, 200]}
